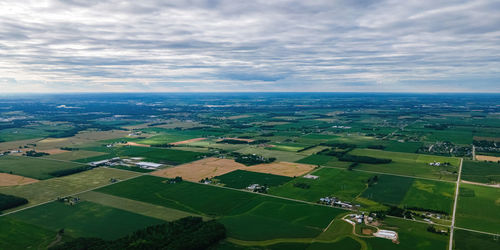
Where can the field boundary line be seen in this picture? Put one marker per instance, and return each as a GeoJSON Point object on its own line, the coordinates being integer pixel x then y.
{"type": "Point", "coordinates": [50, 159]}
{"type": "Point", "coordinates": [457, 189]}
{"type": "Point", "coordinates": [476, 231]}
{"type": "Point", "coordinates": [81, 192]}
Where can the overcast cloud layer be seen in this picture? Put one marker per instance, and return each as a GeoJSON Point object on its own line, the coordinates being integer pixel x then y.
{"type": "Point", "coordinates": [410, 46]}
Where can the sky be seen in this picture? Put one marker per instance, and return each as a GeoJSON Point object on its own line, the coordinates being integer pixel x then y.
{"type": "Point", "coordinates": [264, 46]}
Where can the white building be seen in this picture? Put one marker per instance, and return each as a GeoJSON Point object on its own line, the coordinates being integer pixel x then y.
{"type": "Point", "coordinates": [386, 234]}
{"type": "Point", "coordinates": [148, 165]}
{"type": "Point", "coordinates": [310, 176]}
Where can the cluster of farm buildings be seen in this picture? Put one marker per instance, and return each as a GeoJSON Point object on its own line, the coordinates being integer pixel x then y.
{"type": "Point", "coordinates": [135, 161]}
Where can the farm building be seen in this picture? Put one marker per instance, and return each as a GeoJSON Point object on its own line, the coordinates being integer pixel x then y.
{"type": "Point", "coordinates": [148, 165]}
{"type": "Point", "coordinates": [98, 163]}
{"type": "Point", "coordinates": [310, 176]}
{"type": "Point", "coordinates": [386, 234]}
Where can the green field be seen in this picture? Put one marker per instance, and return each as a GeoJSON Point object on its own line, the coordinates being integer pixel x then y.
{"type": "Point", "coordinates": [343, 184]}
{"type": "Point", "coordinates": [466, 240]}
{"type": "Point", "coordinates": [324, 160]}
{"type": "Point", "coordinates": [50, 189]}
{"type": "Point", "coordinates": [478, 208]}
{"type": "Point", "coordinates": [429, 194]}
{"type": "Point", "coordinates": [36, 168]}
{"type": "Point", "coordinates": [388, 189]}
{"type": "Point", "coordinates": [279, 155]}
{"type": "Point", "coordinates": [480, 171]}
{"type": "Point", "coordinates": [16, 234]}
{"type": "Point", "coordinates": [242, 179]}
{"type": "Point", "coordinates": [85, 219]}
{"type": "Point", "coordinates": [159, 155]}
{"type": "Point", "coordinates": [410, 164]}
{"type": "Point", "coordinates": [75, 155]}
{"type": "Point", "coordinates": [233, 208]}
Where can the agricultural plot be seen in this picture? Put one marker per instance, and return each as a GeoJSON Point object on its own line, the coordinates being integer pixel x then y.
{"type": "Point", "coordinates": [467, 240]}
{"type": "Point", "coordinates": [50, 189]}
{"type": "Point", "coordinates": [324, 160]}
{"type": "Point", "coordinates": [482, 172]}
{"type": "Point", "coordinates": [410, 164]}
{"type": "Point", "coordinates": [478, 208]}
{"type": "Point", "coordinates": [84, 219]}
{"type": "Point", "coordinates": [14, 180]}
{"type": "Point", "coordinates": [16, 234]}
{"type": "Point", "coordinates": [242, 179]}
{"type": "Point", "coordinates": [388, 189]}
{"type": "Point", "coordinates": [279, 155]}
{"type": "Point", "coordinates": [234, 208]}
{"type": "Point", "coordinates": [75, 155]}
{"type": "Point", "coordinates": [289, 169]}
{"type": "Point", "coordinates": [36, 168]}
{"type": "Point", "coordinates": [429, 194]}
{"type": "Point", "coordinates": [343, 184]}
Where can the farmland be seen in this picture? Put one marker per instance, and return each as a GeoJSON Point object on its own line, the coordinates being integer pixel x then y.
{"type": "Point", "coordinates": [328, 167]}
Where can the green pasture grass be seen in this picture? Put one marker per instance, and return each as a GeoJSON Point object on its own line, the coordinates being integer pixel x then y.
{"type": "Point", "coordinates": [85, 219]}
{"type": "Point", "coordinates": [429, 194]}
{"type": "Point", "coordinates": [74, 155]}
{"type": "Point", "coordinates": [234, 208]}
{"type": "Point", "coordinates": [16, 134]}
{"type": "Point", "coordinates": [50, 189]}
{"type": "Point", "coordinates": [279, 155]}
{"type": "Point", "coordinates": [160, 155]}
{"type": "Point", "coordinates": [316, 160]}
{"type": "Point", "coordinates": [242, 179]}
{"type": "Point", "coordinates": [389, 189]}
{"type": "Point", "coordinates": [416, 165]}
{"type": "Point", "coordinates": [467, 240]}
{"type": "Point", "coordinates": [412, 236]}
{"type": "Point", "coordinates": [138, 207]}
{"type": "Point", "coordinates": [32, 167]}
{"type": "Point", "coordinates": [16, 234]}
{"type": "Point", "coordinates": [340, 183]}
{"type": "Point", "coordinates": [479, 171]}
{"type": "Point", "coordinates": [478, 208]}
{"type": "Point", "coordinates": [404, 147]}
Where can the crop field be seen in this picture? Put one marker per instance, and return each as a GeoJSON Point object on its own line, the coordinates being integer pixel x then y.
{"type": "Point", "coordinates": [343, 184]}
{"type": "Point", "coordinates": [16, 234]}
{"type": "Point", "coordinates": [466, 240]}
{"type": "Point", "coordinates": [289, 169]}
{"type": "Point", "coordinates": [159, 155]}
{"type": "Point", "coordinates": [324, 160]}
{"type": "Point", "coordinates": [14, 180]}
{"type": "Point", "coordinates": [201, 169]}
{"type": "Point", "coordinates": [482, 172]}
{"type": "Point", "coordinates": [279, 155]}
{"type": "Point", "coordinates": [478, 208]}
{"type": "Point", "coordinates": [410, 164]}
{"type": "Point", "coordinates": [429, 194]}
{"type": "Point", "coordinates": [32, 167]}
{"type": "Point", "coordinates": [50, 189]}
{"type": "Point", "coordinates": [74, 155]}
{"type": "Point", "coordinates": [388, 189]}
{"type": "Point", "coordinates": [242, 179]}
{"type": "Point", "coordinates": [235, 207]}
{"type": "Point", "coordinates": [85, 219]}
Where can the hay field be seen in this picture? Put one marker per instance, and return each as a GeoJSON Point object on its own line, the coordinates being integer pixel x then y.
{"type": "Point", "coordinates": [290, 169]}
{"type": "Point", "coordinates": [14, 180]}
{"type": "Point", "coordinates": [188, 141]}
{"type": "Point", "coordinates": [205, 168]}
{"type": "Point", "coordinates": [487, 158]}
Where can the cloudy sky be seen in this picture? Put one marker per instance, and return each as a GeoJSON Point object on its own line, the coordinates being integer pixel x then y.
{"type": "Point", "coordinates": [271, 45]}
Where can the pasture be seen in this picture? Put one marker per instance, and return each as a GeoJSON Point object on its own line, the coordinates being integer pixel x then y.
{"type": "Point", "coordinates": [242, 179]}
{"type": "Point", "coordinates": [50, 189]}
{"type": "Point", "coordinates": [37, 168]}
{"type": "Point", "coordinates": [233, 208]}
{"type": "Point", "coordinates": [478, 208]}
{"type": "Point", "coordinates": [410, 164]}
{"type": "Point", "coordinates": [482, 172]}
{"type": "Point", "coordinates": [85, 219]}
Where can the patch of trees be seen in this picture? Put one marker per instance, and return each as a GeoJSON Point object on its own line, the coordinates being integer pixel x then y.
{"type": "Point", "coordinates": [364, 159]}
{"type": "Point", "coordinates": [64, 172]}
{"type": "Point", "coordinates": [267, 134]}
{"type": "Point", "coordinates": [69, 149]}
{"type": "Point", "coordinates": [432, 229]}
{"type": "Point", "coordinates": [484, 144]}
{"type": "Point", "coordinates": [306, 148]}
{"type": "Point", "coordinates": [301, 185]}
{"type": "Point", "coordinates": [11, 201]}
{"type": "Point", "coordinates": [162, 145]}
{"type": "Point", "coordinates": [376, 147]}
{"type": "Point", "coordinates": [186, 234]}
{"type": "Point", "coordinates": [352, 166]}
{"type": "Point", "coordinates": [338, 145]}
{"type": "Point", "coordinates": [232, 141]}
{"type": "Point", "coordinates": [399, 212]}
{"type": "Point", "coordinates": [33, 153]}
{"type": "Point", "coordinates": [256, 142]}
{"type": "Point", "coordinates": [251, 159]}
{"type": "Point", "coordinates": [427, 210]}
{"type": "Point", "coordinates": [372, 180]}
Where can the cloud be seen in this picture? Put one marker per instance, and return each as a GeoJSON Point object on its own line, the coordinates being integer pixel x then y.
{"type": "Point", "coordinates": [224, 45]}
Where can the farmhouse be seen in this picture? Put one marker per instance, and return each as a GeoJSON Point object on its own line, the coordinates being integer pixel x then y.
{"type": "Point", "coordinates": [148, 165]}
{"type": "Point", "coordinates": [310, 176]}
{"type": "Point", "coordinates": [437, 164]}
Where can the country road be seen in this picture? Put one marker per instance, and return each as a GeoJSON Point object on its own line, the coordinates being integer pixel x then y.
{"type": "Point", "coordinates": [450, 247]}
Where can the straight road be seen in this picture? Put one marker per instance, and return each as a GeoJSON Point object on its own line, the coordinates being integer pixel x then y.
{"type": "Point", "coordinates": [455, 205]}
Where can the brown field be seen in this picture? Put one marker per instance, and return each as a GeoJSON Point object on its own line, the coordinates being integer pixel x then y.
{"type": "Point", "coordinates": [236, 139]}
{"type": "Point", "coordinates": [14, 180]}
{"type": "Point", "coordinates": [282, 168]}
{"type": "Point", "coordinates": [188, 141]}
{"type": "Point", "coordinates": [487, 158]}
{"type": "Point", "coordinates": [482, 138]}
{"type": "Point", "coordinates": [198, 170]}
{"type": "Point", "coordinates": [84, 137]}
{"type": "Point", "coordinates": [366, 231]}
{"type": "Point", "coordinates": [137, 144]}
{"type": "Point", "coordinates": [53, 151]}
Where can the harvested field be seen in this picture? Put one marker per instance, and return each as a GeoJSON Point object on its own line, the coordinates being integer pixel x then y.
{"type": "Point", "coordinates": [487, 158]}
{"type": "Point", "coordinates": [188, 141]}
{"type": "Point", "coordinates": [14, 180]}
{"type": "Point", "coordinates": [205, 168]}
{"type": "Point", "coordinates": [290, 169]}
{"type": "Point", "coordinates": [53, 151]}
{"type": "Point", "coordinates": [137, 144]}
